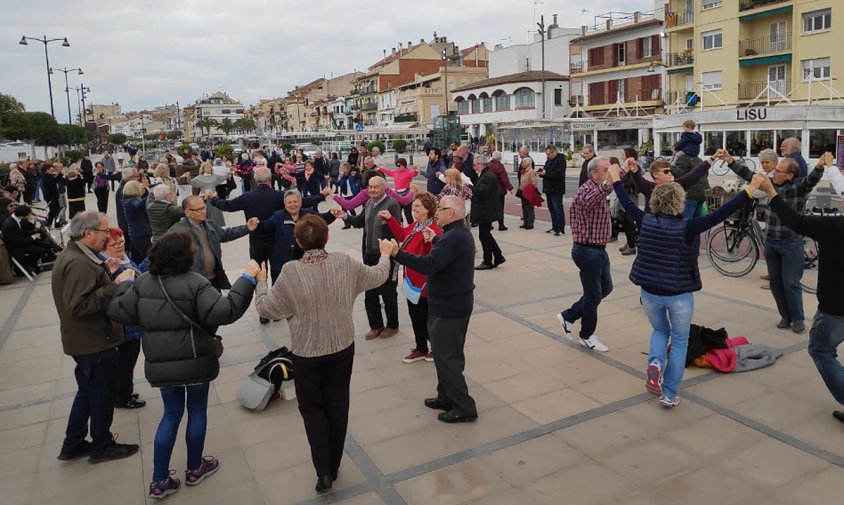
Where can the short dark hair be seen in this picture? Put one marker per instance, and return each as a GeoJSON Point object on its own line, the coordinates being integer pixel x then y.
{"type": "Point", "coordinates": [551, 147]}
{"type": "Point", "coordinates": [23, 211]}
{"type": "Point", "coordinates": [311, 232]}
{"type": "Point", "coordinates": [172, 254]}
{"type": "Point", "coordinates": [402, 162]}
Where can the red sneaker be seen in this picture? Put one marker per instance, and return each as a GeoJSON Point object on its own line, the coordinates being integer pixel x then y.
{"type": "Point", "coordinates": [414, 356]}
{"type": "Point", "coordinates": [429, 357]}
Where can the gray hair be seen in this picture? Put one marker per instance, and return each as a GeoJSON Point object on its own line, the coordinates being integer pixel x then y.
{"type": "Point", "coordinates": [13, 166]}
{"type": "Point", "coordinates": [456, 204]}
{"type": "Point", "coordinates": [160, 191]}
{"type": "Point", "coordinates": [131, 172]}
{"type": "Point", "coordinates": [790, 165]}
{"type": "Point", "coordinates": [496, 155]}
{"type": "Point", "coordinates": [594, 162]}
{"type": "Point", "coordinates": [481, 160]}
{"type": "Point", "coordinates": [84, 221]}
{"type": "Point", "coordinates": [792, 143]}
{"type": "Point", "coordinates": [589, 146]}
{"type": "Point", "coordinates": [262, 174]}
{"type": "Point", "coordinates": [292, 192]}
{"type": "Point", "coordinates": [769, 154]}
{"type": "Point", "coordinates": [529, 161]}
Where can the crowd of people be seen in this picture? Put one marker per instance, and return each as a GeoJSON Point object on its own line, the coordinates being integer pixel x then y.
{"type": "Point", "coordinates": [156, 281]}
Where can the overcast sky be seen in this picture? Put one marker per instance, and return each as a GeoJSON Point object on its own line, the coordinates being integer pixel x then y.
{"type": "Point", "coordinates": [146, 53]}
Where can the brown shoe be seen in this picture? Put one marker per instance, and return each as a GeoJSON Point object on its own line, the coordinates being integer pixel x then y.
{"type": "Point", "coordinates": [629, 251]}
{"type": "Point", "coordinates": [767, 286]}
{"type": "Point", "coordinates": [765, 277]}
{"type": "Point", "coordinates": [623, 248]}
{"type": "Point", "coordinates": [388, 332]}
{"type": "Point", "coordinates": [374, 333]}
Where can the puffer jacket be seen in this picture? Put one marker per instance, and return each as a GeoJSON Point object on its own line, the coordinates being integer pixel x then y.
{"type": "Point", "coordinates": [135, 209]}
{"type": "Point", "coordinates": [172, 356]}
{"type": "Point", "coordinates": [162, 215]}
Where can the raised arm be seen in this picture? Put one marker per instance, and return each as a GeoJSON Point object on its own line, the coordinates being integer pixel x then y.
{"type": "Point", "coordinates": [403, 200]}
{"type": "Point", "coordinates": [696, 174]}
{"type": "Point", "coordinates": [629, 207]}
{"type": "Point", "coordinates": [353, 202]}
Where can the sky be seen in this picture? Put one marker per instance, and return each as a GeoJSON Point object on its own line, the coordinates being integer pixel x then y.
{"type": "Point", "coordinates": [141, 54]}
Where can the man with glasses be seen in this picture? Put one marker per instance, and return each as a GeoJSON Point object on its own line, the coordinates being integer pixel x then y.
{"type": "Point", "coordinates": [82, 289]}
{"type": "Point", "coordinates": [207, 237]}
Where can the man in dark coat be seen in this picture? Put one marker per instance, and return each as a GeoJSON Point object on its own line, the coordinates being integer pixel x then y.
{"type": "Point", "coordinates": [486, 209]}
{"type": "Point", "coordinates": [466, 157]}
{"type": "Point", "coordinates": [554, 186]}
{"type": "Point", "coordinates": [505, 185]}
{"type": "Point", "coordinates": [588, 154]}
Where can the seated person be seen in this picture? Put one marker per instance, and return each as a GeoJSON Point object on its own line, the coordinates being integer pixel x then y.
{"type": "Point", "coordinates": [27, 239]}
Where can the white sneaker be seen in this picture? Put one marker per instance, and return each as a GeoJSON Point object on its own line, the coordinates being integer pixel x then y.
{"type": "Point", "coordinates": [667, 402]}
{"type": "Point", "coordinates": [568, 327]}
{"type": "Point", "coordinates": [594, 344]}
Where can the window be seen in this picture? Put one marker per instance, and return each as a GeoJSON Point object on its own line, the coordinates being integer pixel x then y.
{"type": "Point", "coordinates": [596, 56]}
{"type": "Point", "coordinates": [666, 143]}
{"type": "Point", "coordinates": [817, 21]}
{"type": "Point", "coordinates": [712, 40]}
{"type": "Point", "coordinates": [476, 106]}
{"type": "Point", "coordinates": [558, 97]}
{"type": "Point", "coordinates": [487, 102]}
{"type": "Point", "coordinates": [621, 52]}
{"type": "Point", "coordinates": [502, 102]}
{"type": "Point", "coordinates": [239, 111]}
{"type": "Point", "coordinates": [761, 140]}
{"type": "Point", "coordinates": [524, 98]}
{"type": "Point", "coordinates": [736, 144]}
{"type": "Point", "coordinates": [821, 141]}
{"type": "Point", "coordinates": [784, 134]}
{"type": "Point", "coordinates": [617, 139]}
{"type": "Point", "coordinates": [226, 111]}
{"type": "Point", "coordinates": [711, 4]}
{"type": "Point", "coordinates": [712, 141]}
{"type": "Point", "coordinates": [817, 68]}
{"type": "Point", "coordinates": [463, 107]}
{"type": "Point", "coordinates": [712, 80]}
{"type": "Point", "coordinates": [647, 47]}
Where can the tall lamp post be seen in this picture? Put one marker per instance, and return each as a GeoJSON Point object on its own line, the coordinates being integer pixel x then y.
{"type": "Point", "coordinates": [46, 41]}
{"type": "Point", "coordinates": [445, 58]}
{"type": "Point", "coordinates": [67, 87]}
{"type": "Point", "coordinates": [541, 31]}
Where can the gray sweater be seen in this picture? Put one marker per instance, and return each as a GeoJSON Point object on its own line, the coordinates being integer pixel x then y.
{"type": "Point", "coordinates": [373, 227]}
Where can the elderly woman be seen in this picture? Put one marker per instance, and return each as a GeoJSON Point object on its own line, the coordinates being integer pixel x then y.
{"type": "Point", "coordinates": [458, 185]}
{"type": "Point", "coordinates": [208, 181]}
{"type": "Point", "coordinates": [310, 183]}
{"type": "Point", "coordinates": [424, 208]}
{"type": "Point", "coordinates": [323, 334]}
{"type": "Point", "coordinates": [137, 220]}
{"type": "Point", "coordinates": [527, 177]}
{"type": "Point", "coordinates": [179, 312]}
{"type": "Point", "coordinates": [666, 270]}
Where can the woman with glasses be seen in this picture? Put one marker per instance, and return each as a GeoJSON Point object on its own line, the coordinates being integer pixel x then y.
{"type": "Point", "coordinates": [661, 173]}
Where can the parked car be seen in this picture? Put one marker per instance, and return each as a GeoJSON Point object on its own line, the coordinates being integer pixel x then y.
{"type": "Point", "coordinates": [308, 149]}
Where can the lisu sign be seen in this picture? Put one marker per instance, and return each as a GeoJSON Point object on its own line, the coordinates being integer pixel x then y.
{"type": "Point", "coordinates": [752, 114]}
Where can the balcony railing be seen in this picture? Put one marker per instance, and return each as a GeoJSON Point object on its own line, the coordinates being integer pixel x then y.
{"type": "Point", "coordinates": [765, 45]}
{"type": "Point", "coordinates": [405, 118]}
{"type": "Point", "coordinates": [645, 95]}
{"type": "Point", "coordinates": [679, 18]}
{"type": "Point", "coordinates": [370, 106]}
{"type": "Point", "coordinates": [679, 59]}
{"type": "Point", "coordinates": [746, 5]}
{"type": "Point", "coordinates": [750, 90]}
{"type": "Point", "coordinates": [576, 67]}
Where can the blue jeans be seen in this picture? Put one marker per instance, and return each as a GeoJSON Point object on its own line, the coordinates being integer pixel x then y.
{"type": "Point", "coordinates": [594, 265]}
{"type": "Point", "coordinates": [692, 209]}
{"type": "Point", "coordinates": [670, 316]}
{"type": "Point", "coordinates": [165, 437]}
{"type": "Point", "coordinates": [826, 335]}
{"type": "Point", "coordinates": [785, 267]}
{"type": "Point", "coordinates": [558, 212]}
{"type": "Point", "coordinates": [96, 380]}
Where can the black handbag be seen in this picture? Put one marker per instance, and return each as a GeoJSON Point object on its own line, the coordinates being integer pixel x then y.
{"type": "Point", "coordinates": [216, 340]}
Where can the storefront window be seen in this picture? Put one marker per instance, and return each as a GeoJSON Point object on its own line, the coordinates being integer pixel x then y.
{"type": "Point", "coordinates": [581, 138]}
{"type": "Point", "coordinates": [784, 134]}
{"type": "Point", "coordinates": [761, 140]}
{"type": "Point", "coordinates": [617, 139]}
{"type": "Point", "coordinates": [821, 141]}
{"type": "Point", "coordinates": [736, 144]}
{"type": "Point", "coordinates": [666, 143]}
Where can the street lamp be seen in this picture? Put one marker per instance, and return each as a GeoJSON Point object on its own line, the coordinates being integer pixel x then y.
{"type": "Point", "coordinates": [46, 41]}
{"type": "Point", "coordinates": [445, 58]}
{"type": "Point", "coordinates": [67, 86]}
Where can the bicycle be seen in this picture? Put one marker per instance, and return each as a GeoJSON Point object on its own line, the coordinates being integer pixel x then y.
{"type": "Point", "coordinates": [720, 167]}
{"type": "Point", "coordinates": [809, 281]}
{"type": "Point", "coordinates": [734, 248]}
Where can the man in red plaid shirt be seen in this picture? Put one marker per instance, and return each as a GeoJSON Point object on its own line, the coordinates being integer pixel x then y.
{"type": "Point", "coordinates": [591, 228]}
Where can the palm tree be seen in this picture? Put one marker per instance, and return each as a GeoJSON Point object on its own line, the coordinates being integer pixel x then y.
{"type": "Point", "coordinates": [244, 125]}
{"type": "Point", "coordinates": [207, 123]}
{"type": "Point", "coordinates": [227, 125]}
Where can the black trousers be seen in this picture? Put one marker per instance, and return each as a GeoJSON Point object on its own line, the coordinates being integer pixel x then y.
{"type": "Point", "coordinates": [628, 224]}
{"type": "Point", "coordinates": [96, 376]}
{"type": "Point", "coordinates": [372, 299]}
{"type": "Point", "coordinates": [448, 336]}
{"type": "Point", "coordinates": [528, 212]}
{"type": "Point", "coordinates": [140, 248]}
{"type": "Point", "coordinates": [419, 319]}
{"type": "Point", "coordinates": [322, 389]}
{"type": "Point", "coordinates": [102, 199]}
{"type": "Point", "coordinates": [55, 207]}
{"type": "Point", "coordinates": [490, 247]}
{"type": "Point", "coordinates": [260, 248]}
{"type": "Point", "coordinates": [501, 221]}
{"type": "Point", "coordinates": [127, 358]}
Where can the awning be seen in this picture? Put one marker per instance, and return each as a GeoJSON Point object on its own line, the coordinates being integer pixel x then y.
{"type": "Point", "coordinates": [682, 70]}
{"type": "Point", "coordinates": [766, 60]}
{"type": "Point", "coordinates": [772, 12]}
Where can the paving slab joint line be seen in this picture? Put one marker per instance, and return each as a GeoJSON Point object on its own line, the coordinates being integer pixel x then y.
{"type": "Point", "coordinates": [376, 479]}
{"type": "Point", "coordinates": [15, 315]}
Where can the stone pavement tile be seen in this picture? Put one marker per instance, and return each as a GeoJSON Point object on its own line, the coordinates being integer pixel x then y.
{"type": "Point", "coordinates": [491, 326]}
{"type": "Point", "coordinates": [16, 489]}
{"type": "Point", "coordinates": [374, 427]}
{"type": "Point", "coordinates": [528, 384]}
{"type": "Point", "coordinates": [528, 461]}
{"type": "Point", "coordinates": [285, 451]}
{"type": "Point", "coordinates": [556, 405]}
{"type": "Point", "coordinates": [23, 416]}
{"type": "Point", "coordinates": [606, 434]}
{"type": "Point", "coordinates": [491, 425]}
{"type": "Point", "coordinates": [365, 380]}
{"type": "Point", "coordinates": [660, 420]}
{"type": "Point", "coordinates": [728, 389]}
{"type": "Point", "coordinates": [267, 425]}
{"type": "Point", "coordinates": [582, 368]}
{"type": "Point", "coordinates": [410, 449]}
{"type": "Point", "coordinates": [772, 463]}
{"type": "Point", "coordinates": [700, 486]}
{"type": "Point", "coordinates": [787, 371]}
{"type": "Point", "coordinates": [376, 400]}
{"type": "Point", "coordinates": [816, 489]}
{"type": "Point", "coordinates": [296, 484]}
{"type": "Point", "coordinates": [78, 478]}
{"type": "Point", "coordinates": [650, 462]}
{"type": "Point", "coordinates": [714, 435]}
{"type": "Point", "coordinates": [524, 342]}
{"type": "Point", "coordinates": [20, 462]}
{"type": "Point", "coordinates": [612, 387]}
{"type": "Point", "coordinates": [462, 483]}
{"type": "Point", "coordinates": [30, 435]}
{"type": "Point", "coordinates": [588, 483]}
{"type": "Point", "coordinates": [364, 499]}
{"type": "Point", "coordinates": [780, 410]}
{"type": "Point", "coordinates": [637, 498]}
{"type": "Point", "coordinates": [509, 497]}
{"type": "Point", "coordinates": [131, 491]}
{"type": "Point", "coordinates": [245, 492]}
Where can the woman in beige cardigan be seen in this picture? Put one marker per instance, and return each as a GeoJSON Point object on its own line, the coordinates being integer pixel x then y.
{"type": "Point", "coordinates": [319, 312]}
{"type": "Point", "coordinates": [527, 176]}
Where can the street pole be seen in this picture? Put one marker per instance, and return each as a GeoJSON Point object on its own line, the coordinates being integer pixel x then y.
{"type": "Point", "coordinates": [46, 41]}
{"type": "Point", "coordinates": [143, 137]}
{"type": "Point", "coordinates": [445, 85]}
{"type": "Point", "coordinates": [541, 31]}
{"type": "Point", "coordinates": [67, 87]}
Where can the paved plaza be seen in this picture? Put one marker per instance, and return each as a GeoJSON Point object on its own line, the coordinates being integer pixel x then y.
{"type": "Point", "coordinates": [558, 423]}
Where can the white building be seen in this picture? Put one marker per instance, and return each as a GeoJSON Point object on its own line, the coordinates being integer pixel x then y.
{"type": "Point", "coordinates": [386, 108]}
{"type": "Point", "coordinates": [518, 58]}
{"type": "Point", "coordinates": [340, 119]}
{"type": "Point", "coordinates": [218, 106]}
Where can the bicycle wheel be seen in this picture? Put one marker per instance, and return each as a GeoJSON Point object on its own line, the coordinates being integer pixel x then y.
{"type": "Point", "coordinates": [732, 251]}
{"type": "Point", "coordinates": [720, 168]}
{"type": "Point", "coordinates": [749, 163]}
{"type": "Point", "coordinates": [809, 282]}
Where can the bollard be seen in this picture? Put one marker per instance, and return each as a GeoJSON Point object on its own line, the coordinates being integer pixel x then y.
{"type": "Point", "coordinates": [516, 163]}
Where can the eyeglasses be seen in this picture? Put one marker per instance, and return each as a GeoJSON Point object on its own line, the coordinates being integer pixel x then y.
{"type": "Point", "coordinates": [443, 208]}
{"type": "Point", "coordinates": [117, 243]}
{"type": "Point", "coordinates": [666, 171]}
{"type": "Point", "coordinates": [105, 230]}
{"type": "Point", "coordinates": [198, 209]}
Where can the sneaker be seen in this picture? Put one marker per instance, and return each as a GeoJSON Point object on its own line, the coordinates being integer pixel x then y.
{"type": "Point", "coordinates": [73, 452]}
{"type": "Point", "coordinates": [568, 327]}
{"type": "Point", "coordinates": [429, 357]}
{"type": "Point", "coordinates": [594, 344]}
{"type": "Point", "coordinates": [654, 381]}
{"type": "Point", "coordinates": [112, 451]}
{"type": "Point", "coordinates": [209, 466]}
{"type": "Point", "coordinates": [783, 324]}
{"type": "Point", "coordinates": [667, 403]}
{"type": "Point", "coordinates": [629, 251]}
{"type": "Point", "coordinates": [414, 356]}
{"type": "Point", "coordinates": [798, 327]}
{"type": "Point", "coordinates": [163, 489]}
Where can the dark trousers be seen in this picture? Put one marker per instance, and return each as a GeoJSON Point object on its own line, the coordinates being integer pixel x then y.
{"type": "Point", "coordinates": [528, 213]}
{"type": "Point", "coordinates": [102, 199]}
{"type": "Point", "coordinates": [628, 224]}
{"type": "Point", "coordinates": [55, 207]}
{"type": "Point", "coordinates": [96, 378]}
{"type": "Point", "coordinates": [372, 300]}
{"type": "Point", "coordinates": [128, 353]}
{"type": "Point", "coordinates": [448, 336]}
{"type": "Point", "coordinates": [419, 319]}
{"type": "Point", "coordinates": [322, 389]}
{"type": "Point", "coordinates": [492, 253]}
{"type": "Point", "coordinates": [594, 265]}
{"type": "Point", "coordinates": [501, 221]}
{"type": "Point", "coordinates": [558, 212]}
{"type": "Point", "coordinates": [140, 247]}
{"type": "Point", "coordinates": [74, 208]}
{"type": "Point", "coordinates": [408, 214]}
{"type": "Point", "coordinates": [260, 248]}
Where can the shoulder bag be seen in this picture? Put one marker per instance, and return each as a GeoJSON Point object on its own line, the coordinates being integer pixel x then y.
{"type": "Point", "coordinates": [216, 340]}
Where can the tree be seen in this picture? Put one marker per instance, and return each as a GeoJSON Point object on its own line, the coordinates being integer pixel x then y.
{"type": "Point", "coordinates": [400, 145]}
{"type": "Point", "coordinates": [227, 125]}
{"type": "Point", "coordinates": [206, 123]}
{"type": "Point", "coordinates": [35, 128]}
{"type": "Point", "coordinates": [224, 149]}
{"type": "Point", "coordinates": [117, 139]}
{"type": "Point", "coordinates": [244, 125]}
{"type": "Point", "coordinates": [174, 135]}
{"type": "Point", "coordinates": [9, 105]}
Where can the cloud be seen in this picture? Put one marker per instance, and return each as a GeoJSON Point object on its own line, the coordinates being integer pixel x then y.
{"type": "Point", "coordinates": [143, 54]}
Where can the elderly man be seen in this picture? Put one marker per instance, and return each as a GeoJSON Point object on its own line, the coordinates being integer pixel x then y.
{"type": "Point", "coordinates": [110, 166]}
{"type": "Point", "coordinates": [588, 154]}
{"type": "Point", "coordinates": [451, 285]}
{"type": "Point", "coordinates": [590, 228]}
{"type": "Point", "coordinates": [82, 290]}
{"type": "Point", "coordinates": [505, 186]}
{"type": "Point", "coordinates": [466, 157]}
{"type": "Point", "coordinates": [373, 229]}
{"type": "Point", "coordinates": [783, 248]}
{"type": "Point", "coordinates": [554, 187]}
{"type": "Point", "coordinates": [486, 209]}
{"type": "Point", "coordinates": [524, 152]}
{"type": "Point", "coordinates": [207, 238]}
{"type": "Point", "coordinates": [130, 174]}
{"type": "Point", "coordinates": [188, 169]}
{"type": "Point", "coordinates": [790, 148]}
{"type": "Point", "coordinates": [162, 211]}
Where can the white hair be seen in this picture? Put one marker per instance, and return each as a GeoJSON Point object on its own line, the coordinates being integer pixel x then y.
{"type": "Point", "coordinates": [160, 191]}
{"type": "Point", "coordinates": [496, 155]}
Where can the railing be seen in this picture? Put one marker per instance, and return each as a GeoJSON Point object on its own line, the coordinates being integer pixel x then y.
{"type": "Point", "coordinates": [765, 45]}
{"type": "Point", "coordinates": [576, 67]}
{"type": "Point", "coordinates": [405, 118]}
{"type": "Point", "coordinates": [370, 106]}
{"type": "Point", "coordinates": [679, 18]}
{"type": "Point", "coordinates": [679, 59]}
{"type": "Point", "coordinates": [645, 95]}
{"type": "Point", "coordinates": [750, 90]}
{"type": "Point", "coordinates": [746, 5]}
{"type": "Point", "coordinates": [354, 92]}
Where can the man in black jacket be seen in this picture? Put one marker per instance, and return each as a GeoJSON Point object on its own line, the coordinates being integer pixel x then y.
{"type": "Point", "coordinates": [24, 240]}
{"type": "Point", "coordinates": [450, 286]}
{"type": "Point", "coordinates": [554, 187]}
{"type": "Point", "coordinates": [487, 209]}
{"type": "Point", "coordinates": [588, 154]}
{"type": "Point", "coordinates": [468, 160]}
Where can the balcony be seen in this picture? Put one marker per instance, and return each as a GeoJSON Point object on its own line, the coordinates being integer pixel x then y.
{"type": "Point", "coordinates": [576, 67]}
{"type": "Point", "coordinates": [746, 5]}
{"type": "Point", "coordinates": [645, 95]}
{"type": "Point", "coordinates": [750, 90]}
{"type": "Point", "coordinates": [765, 45]}
{"type": "Point", "coordinates": [687, 98]}
{"type": "Point", "coordinates": [369, 106]}
{"type": "Point", "coordinates": [674, 19]}
{"type": "Point", "coordinates": [405, 118]}
{"type": "Point", "coordinates": [679, 59]}
{"type": "Point", "coordinates": [354, 92]}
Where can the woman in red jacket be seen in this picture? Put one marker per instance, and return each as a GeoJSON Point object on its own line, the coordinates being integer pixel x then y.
{"type": "Point", "coordinates": [424, 208]}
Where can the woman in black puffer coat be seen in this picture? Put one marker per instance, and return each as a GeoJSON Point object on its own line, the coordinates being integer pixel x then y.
{"type": "Point", "coordinates": [179, 359]}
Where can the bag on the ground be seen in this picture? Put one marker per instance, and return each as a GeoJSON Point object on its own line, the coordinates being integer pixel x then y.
{"type": "Point", "coordinates": [260, 386]}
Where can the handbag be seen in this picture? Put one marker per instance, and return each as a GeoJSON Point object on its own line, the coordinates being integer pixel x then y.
{"type": "Point", "coordinates": [256, 391]}
{"type": "Point", "coordinates": [520, 193]}
{"type": "Point", "coordinates": [216, 340]}
{"type": "Point", "coordinates": [409, 291]}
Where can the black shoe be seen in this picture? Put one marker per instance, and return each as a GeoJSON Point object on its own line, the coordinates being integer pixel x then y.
{"type": "Point", "coordinates": [346, 227]}
{"type": "Point", "coordinates": [455, 417]}
{"type": "Point", "coordinates": [529, 227]}
{"type": "Point", "coordinates": [557, 234]}
{"type": "Point", "coordinates": [550, 231]}
{"type": "Point", "coordinates": [499, 261]}
{"type": "Point", "coordinates": [113, 451]}
{"type": "Point", "coordinates": [484, 266]}
{"type": "Point", "coordinates": [838, 414]}
{"type": "Point", "coordinates": [263, 320]}
{"type": "Point", "coordinates": [783, 324]}
{"type": "Point", "coordinates": [135, 396]}
{"type": "Point", "coordinates": [437, 404]}
{"type": "Point", "coordinates": [323, 484]}
{"type": "Point", "coordinates": [503, 228]}
{"type": "Point", "coordinates": [334, 475]}
{"type": "Point", "coordinates": [522, 226]}
{"type": "Point", "coordinates": [73, 452]}
{"type": "Point", "coordinates": [133, 403]}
